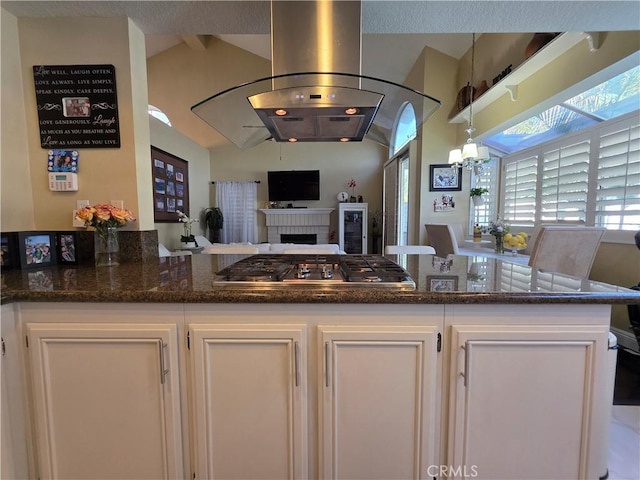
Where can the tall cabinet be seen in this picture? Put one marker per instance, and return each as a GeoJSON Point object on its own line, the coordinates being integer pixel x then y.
{"type": "Point", "coordinates": [352, 223]}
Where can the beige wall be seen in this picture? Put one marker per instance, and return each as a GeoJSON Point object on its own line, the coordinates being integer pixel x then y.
{"type": "Point", "coordinates": [437, 138]}
{"type": "Point", "coordinates": [337, 162]}
{"type": "Point", "coordinates": [171, 141]}
{"type": "Point", "coordinates": [104, 174]}
{"type": "Point", "coordinates": [180, 77]}
{"type": "Point", "coordinates": [17, 200]}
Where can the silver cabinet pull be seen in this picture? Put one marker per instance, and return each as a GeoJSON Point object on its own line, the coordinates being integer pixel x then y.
{"type": "Point", "coordinates": [326, 363]}
{"type": "Point", "coordinates": [163, 370]}
{"type": "Point", "coordinates": [467, 354]}
{"type": "Point", "coordinates": [297, 362]}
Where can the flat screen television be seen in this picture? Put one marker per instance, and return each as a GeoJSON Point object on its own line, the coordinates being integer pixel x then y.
{"type": "Point", "coordinates": [290, 185]}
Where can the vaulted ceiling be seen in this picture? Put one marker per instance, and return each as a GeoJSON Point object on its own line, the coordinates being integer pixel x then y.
{"type": "Point", "coordinates": [394, 31]}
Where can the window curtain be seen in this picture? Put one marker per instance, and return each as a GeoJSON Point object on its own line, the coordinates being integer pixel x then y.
{"type": "Point", "coordinates": [238, 203]}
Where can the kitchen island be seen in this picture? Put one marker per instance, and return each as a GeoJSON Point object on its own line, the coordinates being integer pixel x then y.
{"type": "Point", "coordinates": [488, 368]}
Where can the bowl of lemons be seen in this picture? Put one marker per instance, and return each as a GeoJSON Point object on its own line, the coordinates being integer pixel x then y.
{"type": "Point", "coordinates": [515, 243]}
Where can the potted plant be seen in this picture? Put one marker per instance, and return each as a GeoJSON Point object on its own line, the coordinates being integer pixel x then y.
{"type": "Point", "coordinates": [214, 219]}
{"type": "Point", "coordinates": [476, 195]}
{"type": "Point", "coordinates": [188, 240]}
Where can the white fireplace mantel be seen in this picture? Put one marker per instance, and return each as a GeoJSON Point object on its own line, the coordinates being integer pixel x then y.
{"type": "Point", "coordinates": [298, 221]}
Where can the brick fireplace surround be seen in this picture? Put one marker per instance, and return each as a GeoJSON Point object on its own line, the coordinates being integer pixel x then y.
{"type": "Point", "coordinates": [298, 221]}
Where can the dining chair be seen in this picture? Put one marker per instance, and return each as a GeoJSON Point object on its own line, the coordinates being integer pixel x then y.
{"type": "Point", "coordinates": [566, 249]}
{"type": "Point", "coordinates": [397, 249]}
{"type": "Point", "coordinates": [442, 238]}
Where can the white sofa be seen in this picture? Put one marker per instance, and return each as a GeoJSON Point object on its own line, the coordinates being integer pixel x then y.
{"type": "Point", "coordinates": [222, 248]}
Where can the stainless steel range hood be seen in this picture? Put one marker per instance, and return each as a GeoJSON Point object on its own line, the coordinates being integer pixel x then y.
{"type": "Point", "coordinates": [316, 92]}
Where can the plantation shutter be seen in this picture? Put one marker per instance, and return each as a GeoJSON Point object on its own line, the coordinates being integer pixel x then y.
{"type": "Point", "coordinates": [618, 182]}
{"type": "Point", "coordinates": [565, 182]}
{"type": "Point", "coordinates": [519, 190]}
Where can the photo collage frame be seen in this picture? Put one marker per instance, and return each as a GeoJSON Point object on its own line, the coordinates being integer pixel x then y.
{"type": "Point", "coordinates": [170, 185]}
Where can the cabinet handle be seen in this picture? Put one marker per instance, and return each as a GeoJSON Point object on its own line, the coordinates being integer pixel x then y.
{"type": "Point", "coordinates": [467, 354]}
{"type": "Point", "coordinates": [326, 363]}
{"type": "Point", "coordinates": [297, 362]}
{"type": "Point", "coordinates": [163, 371]}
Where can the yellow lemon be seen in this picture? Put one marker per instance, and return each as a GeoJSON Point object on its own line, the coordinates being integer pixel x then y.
{"type": "Point", "coordinates": [523, 235]}
{"type": "Point", "coordinates": [508, 237]}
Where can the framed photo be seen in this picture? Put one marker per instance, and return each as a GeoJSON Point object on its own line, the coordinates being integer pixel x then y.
{"type": "Point", "coordinates": [9, 257]}
{"type": "Point", "coordinates": [442, 283]}
{"type": "Point", "coordinates": [67, 248]}
{"type": "Point", "coordinates": [37, 249]}
{"type": "Point", "coordinates": [444, 178]}
{"type": "Point", "coordinates": [170, 185]}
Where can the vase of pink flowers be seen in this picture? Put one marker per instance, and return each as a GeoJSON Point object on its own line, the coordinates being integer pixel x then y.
{"type": "Point", "coordinates": [106, 220]}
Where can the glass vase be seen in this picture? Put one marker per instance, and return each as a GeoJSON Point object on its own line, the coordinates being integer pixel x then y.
{"type": "Point", "coordinates": [499, 243]}
{"type": "Point", "coordinates": [105, 241]}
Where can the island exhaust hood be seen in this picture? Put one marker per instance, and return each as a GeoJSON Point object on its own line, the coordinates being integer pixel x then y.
{"type": "Point", "coordinates": [316, 92]}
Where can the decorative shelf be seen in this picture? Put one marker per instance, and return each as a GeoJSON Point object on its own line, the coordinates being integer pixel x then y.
{"type": "Point", "coordinates": [533, 64]}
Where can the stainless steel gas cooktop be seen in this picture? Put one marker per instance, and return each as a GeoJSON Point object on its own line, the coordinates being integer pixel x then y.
{"type": "Point", "coordinates": [322, 271]}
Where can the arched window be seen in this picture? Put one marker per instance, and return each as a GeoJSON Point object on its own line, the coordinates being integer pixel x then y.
{"type": "Point", "coordinates": [159, 114]}
{"type": "Point", "coordinates": [404, 129]}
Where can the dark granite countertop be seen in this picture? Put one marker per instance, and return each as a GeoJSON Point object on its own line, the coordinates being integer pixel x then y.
{"type": "Point", "coordinates": [189, 279]}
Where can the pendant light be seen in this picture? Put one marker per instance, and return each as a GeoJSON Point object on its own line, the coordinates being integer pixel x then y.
{"type": "Point", "coordinates": [470, 155]}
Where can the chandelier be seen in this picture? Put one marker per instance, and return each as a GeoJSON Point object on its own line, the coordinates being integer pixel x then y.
{"type": "Point", "coordinates": [471, 155]}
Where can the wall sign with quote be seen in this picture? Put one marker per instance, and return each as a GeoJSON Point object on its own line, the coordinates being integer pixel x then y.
{"type": "Point", "coordinates": [170, 185]}
{"type": "Point", "coordinates": [77, 106]}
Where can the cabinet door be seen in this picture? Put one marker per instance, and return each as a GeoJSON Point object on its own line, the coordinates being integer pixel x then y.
{"type": "Point", "coordinates": [378, 415]}
{"type": "Point", "coordinates": [106, 400]}
{"type": "Point", "coordinates": [525, 401]}
{"type": "Point", "coordinates": [250, 401]}
{"type": "Point", "coordinates": [15, 458]}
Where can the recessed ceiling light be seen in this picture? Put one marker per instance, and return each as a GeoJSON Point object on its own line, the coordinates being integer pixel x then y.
{"type": "Point", "coordinates": [293, 140]}
{"type": "Point", "coordinates": [281, 112]}
{"type": "Point", "coordinates": [344, 139]}
{"type": "Point", "coordinates": [351, 111]}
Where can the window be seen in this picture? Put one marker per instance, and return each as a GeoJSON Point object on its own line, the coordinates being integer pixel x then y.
{"type": "Point", "coordinates": [611, 99]}
{"type": "Point", "coordinates": [618, 183]}
{"type": "Point", "coordinates": [159, 114]}
{"type": "Point", "coordinates": [592, 176]}
{"type": "Point", "coordinates": [483, 214]}
{"type": "Point", "coordinates": [405, 129]}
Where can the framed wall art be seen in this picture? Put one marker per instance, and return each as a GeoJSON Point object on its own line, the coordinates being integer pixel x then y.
{"type": "Point", "coordinates": [444, 178]}
{"type": "Point", "coordinates": [442, 283]}
{"type": "Point", "coordinates": [67, 248]}
{"type": "Point", "coordinates": [170, 185]}
{"type": "Point", "coordinates": [9, 256]}
{"type": "Point", "coordinates": [37, 249]}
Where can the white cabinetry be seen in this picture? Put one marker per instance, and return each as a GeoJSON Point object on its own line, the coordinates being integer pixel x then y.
{"type": "Point", "coordinates": [523, 403]}
{"type": "Point", "coordinates": [378, 401]}
{"type": "Point", "coordinates": [352, 226]}
{"type": "Point", "coordinates": [249, 388]}
{"type": "Point", "coordinates": [106, 400]}
{"type": "Point", "coordinates": [15, 458]}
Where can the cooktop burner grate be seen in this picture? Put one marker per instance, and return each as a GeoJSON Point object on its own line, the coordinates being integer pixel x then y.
{"type": "Point", "coordinates": [315, 269]}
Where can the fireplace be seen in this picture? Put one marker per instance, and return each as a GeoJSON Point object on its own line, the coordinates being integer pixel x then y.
{"type": "Point", "coordinates": [298, 223]}
{"type": "Point", "coordinates": [301, 238]}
